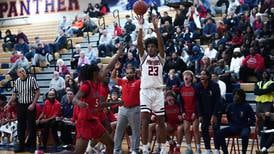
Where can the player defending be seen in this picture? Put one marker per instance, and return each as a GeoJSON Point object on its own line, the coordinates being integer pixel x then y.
{"type": "Point", "coordinates": [152, 57]}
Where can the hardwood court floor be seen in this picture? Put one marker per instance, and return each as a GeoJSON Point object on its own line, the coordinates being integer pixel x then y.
{"type": "Point", "coordinates": [125, 149]}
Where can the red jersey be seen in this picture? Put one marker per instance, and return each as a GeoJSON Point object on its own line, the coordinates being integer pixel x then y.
{"type": "Point", "coordinates": [103, 91]}
{"type": "Point", "coordinates": [172, 113]}
{"type": "Point", "coordinates": [92, 97]}
{"type": "Point", "coordinates": [51, 110]}
{"type": "Point", "coordinates": [130, 92]}
{"type": "Point", "coordinates": [188, 97]}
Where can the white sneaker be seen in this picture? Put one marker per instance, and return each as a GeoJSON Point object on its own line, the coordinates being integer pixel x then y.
{"type": "Point", "coordinates": [145, 152]}
{"type": "Point", "coordinates": [198, 151]}
{"type": "Point", "coordinates": [207, 151]}
{"type": "Point", "coordinates": [145, 149]}
{"type": "Point", "coordinates": [163, 150]}
{"type": "Point", "coordinates": [133, 152]}
{"type": "Point", "coordinates": [216, 151]}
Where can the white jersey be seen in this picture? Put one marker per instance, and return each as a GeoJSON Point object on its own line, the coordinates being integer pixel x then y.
{"type": "Point", "coordinates": [152, 71]}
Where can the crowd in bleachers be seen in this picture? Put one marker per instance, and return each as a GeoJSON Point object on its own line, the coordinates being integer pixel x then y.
{"type": "Point", "coordinates": [233, 48]}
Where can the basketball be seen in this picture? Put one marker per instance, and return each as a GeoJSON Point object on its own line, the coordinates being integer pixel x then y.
{"type": "Point", "coordinates": [140, 7]}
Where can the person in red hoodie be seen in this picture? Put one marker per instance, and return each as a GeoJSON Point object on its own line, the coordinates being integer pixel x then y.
{"type": "Point", "coordinates": [253, 64]}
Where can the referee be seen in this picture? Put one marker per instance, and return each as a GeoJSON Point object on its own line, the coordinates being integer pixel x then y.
{"type": "Point", "coordinates": [27, 92]}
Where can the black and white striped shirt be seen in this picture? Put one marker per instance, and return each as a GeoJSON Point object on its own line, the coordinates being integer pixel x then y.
{"type": "Point", "coordinates": [25, 89]}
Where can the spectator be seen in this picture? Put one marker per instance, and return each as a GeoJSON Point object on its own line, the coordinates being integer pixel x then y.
{"type": "Point", "coordinates": [129, 26]}
{"type": "Point", "coordinates": [237, 39]}
{"type": "Point", "coordinates": [209, 30]}
{"type": "Point", "coordinates": [235, 63]}
{"type": "Point", "coordinates": [89, 25]}
{"type": "Point", "coordinates": [210, 52]}
{"type": "Point", "coordinates": [241, 117]}
{"type": "Point", "coordinates": [221, 84]}
{"type": "Point", "coordinates": [91, 55]}
{"type": "Point", "coordinates": [9, 41]}
{"type": "Point", "coordinates": [64, 24]}
{"type": "Point", "coordinates": [150, 33]}
{"type": "Point", "coordinates": [104, 9]}
{"type": "Point", "coordinates": [23, 47]}
{"type": "Point", "coordinates": [92, 13]}
{"type": "Point", "coordinates": [105, 44]}
{"type": "Point", "coordinates": [57, 83]}
{"type": "Point", "coordinates": [131, 60]}
{"type": "Point", "coordinates": [233, 4]}
{"type": "Point", "coordinates": [76, 26]}
{"type": "Point", "coordinates": [72, 85]}
{"type": "Point", "coordinates": [21, 35]}
{"type": "Point", "coordinates": [60, 42]}
{"type": "Point", "coordinates": [82, 59]}
{"type": "Point", "coordinates": [118, 31]}
{"type": "Point", "coordinates": [179, 18]}
{"type": "Point", "coordinates": [75, 56]}
{"type": "Point", "coordinates": [176, 63]}
{"type": "Point", "coordinates": [165, 18]}
{"type": "Point", "coordinates": [66, 113]}
{"type": "Point", "coordinates": [222, 70]}
{"type": "Point", "coordinates": [221, 6]}
{"type": "Point", "coordinates": [167, 31]}
{"type": "Point", "coordinates": [62, 68]}
{"type": "Point", "coordinates": [206, 65]}
{"type": "Point", "coordinates": [253, 64]}
{"type": "Point", "coordinates": [40, 55]}
{"type": "Point", "coordinates": [172, 81]}
{"type": "Point", "coordinates": [20, 62]}
{"type": "Point", "coordinates": [193, 19]}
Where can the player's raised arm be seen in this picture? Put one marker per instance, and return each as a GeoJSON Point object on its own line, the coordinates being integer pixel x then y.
{"type": "Point", "coordinates": [155, 21]}
{"type": "Point", "coordinates": [140, 44]}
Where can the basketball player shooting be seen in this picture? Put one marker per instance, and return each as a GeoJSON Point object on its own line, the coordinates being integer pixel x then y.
{"type": "Point", "coordinates": [152, 57]}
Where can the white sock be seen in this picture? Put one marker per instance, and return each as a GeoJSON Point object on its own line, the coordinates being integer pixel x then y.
{"type": "Point", "coordinates": [263, 149]}
{"type": "Point", "coordinates": [145, 147]}
{"type": "Point", "coordinates": [148, 144]}
{"type": "Point", "coordinates": [130, 138]}
{"type": "Point", "coordinates": [198, 146]}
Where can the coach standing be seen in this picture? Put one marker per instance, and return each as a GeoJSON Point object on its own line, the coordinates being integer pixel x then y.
{"type": "Point", "coordinates": [129, 113]}
{"type": "Point", "coordinates": [27, 92]}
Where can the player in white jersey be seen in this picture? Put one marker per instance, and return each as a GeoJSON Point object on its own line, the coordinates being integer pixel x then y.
{"type": "Point", "coordinates": [152, 57]}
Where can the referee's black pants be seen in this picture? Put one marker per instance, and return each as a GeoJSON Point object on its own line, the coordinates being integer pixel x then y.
{"type": "Point", "coordinates": [26, 126]}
